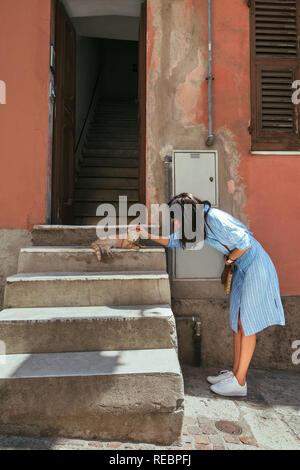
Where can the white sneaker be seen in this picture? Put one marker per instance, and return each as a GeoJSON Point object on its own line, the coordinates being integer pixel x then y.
{"type": "Point", "coordinates": [230, 388]}
{"type": "Point", "coordinates": [224, 374]}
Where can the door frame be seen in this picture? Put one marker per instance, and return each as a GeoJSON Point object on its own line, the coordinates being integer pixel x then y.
{"type": "Point", "coordinates": [142, 99]}
{"type": "Point", "coordinates": [64, 118]}
{"type": "Point", "coordinates": [51, 110]}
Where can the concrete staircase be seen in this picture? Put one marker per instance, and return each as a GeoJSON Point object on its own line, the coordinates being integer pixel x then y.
{"type": "Point", "coordinates": [91, 348]}
{"type": "Point", "coordinates": [109, 160]}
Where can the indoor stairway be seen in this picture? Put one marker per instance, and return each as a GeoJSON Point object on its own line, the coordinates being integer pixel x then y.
{"type": "Point", "coordinates": [109, 161]}
{"type": "Point", "coordinates": [91, 348]}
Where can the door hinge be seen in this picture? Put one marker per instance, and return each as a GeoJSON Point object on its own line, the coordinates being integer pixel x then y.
{"type": "Point", "coordinates": [251, 128]}
{"type": "Point", "coordinates": [248, 3]}
{"type": "Point", "coordinates": [52, 94]}
{"type": "Point", "coordinates": [52, 57]}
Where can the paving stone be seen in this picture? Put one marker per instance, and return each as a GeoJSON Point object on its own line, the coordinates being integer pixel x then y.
{"type": "Point", "coordinates": [208, 429]}
{"type": "Point", "coordinates": [188, 447]}
{"type": "Point", "coordinates": [97, 445]}
{"type": "Point", "coordinates": [201, 440]}
{"type": "Point", "coordinates": [293, 423]}
{"type": "Point", "coordinates": [203, 420]}
{"type": "Point", "coordinates": [203, 447]}
{"type": "Point", "coordinates": [189, 420]}
{"type": "Point", "coordinates": [216, 440]}
{"type": "Point", "coordinates": [269, 431]}
{"type": "Point", "coordinates": [193, 430]}
{"type": "Point", "coordinates": [248, 441]}
{"type": "Point", "coordinates": [69, 442]}
{"type": "Point", "coordinates": [114, 445]}
{"type": "Point", "coordinates": [231, 439]}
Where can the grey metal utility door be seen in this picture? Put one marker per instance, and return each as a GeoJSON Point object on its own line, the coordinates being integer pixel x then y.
{"type": "Point", "coordinates": [196, 172]}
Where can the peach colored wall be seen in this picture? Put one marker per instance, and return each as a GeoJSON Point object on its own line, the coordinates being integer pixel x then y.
{"type": "Point", "coordinates": [24, 59]}
{"type": "Point", "coordinates": [272, 198]}
{"type": "Point", "coordinates": [263, 191]}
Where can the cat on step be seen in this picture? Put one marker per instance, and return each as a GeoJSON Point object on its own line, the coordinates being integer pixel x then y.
{"type": "Point", "coordinates": [103, 246]}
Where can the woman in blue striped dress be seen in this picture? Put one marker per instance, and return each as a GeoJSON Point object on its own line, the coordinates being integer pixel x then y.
{"type": "Point", "coordinates": [255, 301]}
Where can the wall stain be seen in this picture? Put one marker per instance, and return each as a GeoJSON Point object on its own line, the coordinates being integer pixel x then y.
{"type": "Point", "coordinates": [177, 103]}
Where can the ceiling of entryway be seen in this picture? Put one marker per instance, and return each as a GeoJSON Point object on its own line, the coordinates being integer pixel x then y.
{"type": "Point", "coordinates": [110, 19]}
{"type": "Point", "coordinates": [77, 8]}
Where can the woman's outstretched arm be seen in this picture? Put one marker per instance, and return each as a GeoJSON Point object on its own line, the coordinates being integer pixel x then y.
{"type": "Point", "coordinates": [170, 242]}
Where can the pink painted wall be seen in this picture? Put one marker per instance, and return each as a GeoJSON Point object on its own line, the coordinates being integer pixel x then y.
{"type": "Point", "coordinates": [24, 59]}
{"type": "Point", "coordinates": [264, 189]}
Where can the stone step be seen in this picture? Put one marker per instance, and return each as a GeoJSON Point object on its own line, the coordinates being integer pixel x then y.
{"type": "Point", "coordinates": [109, 172]}
{"type": "Point", "coordinates": [116, 117]}
{"type": "Point", "coordinates": [117, 113]}
{"type": "Point", "coordinates": [112, 131]}
{"type": "Point", "coordinates": [63, 235]}
{"type": "Point", "coordinates": [83, 259]}
{"type": "Point", "coordinates": [89, 209]}
{"type": "Point", "coordinates": [109, 183]}
{"type": "Point", "coordinates": [117, 110]}
{"type": "Point", "coordinates": [87, 289]}
{"type": "Point", "coordinates": [100, 137]}
{"type": "Point", "coordinates": [110, 395]}
{"type": "Point", "coordinates": [89, 220]}
{"type": "Point", "coordinates": [69, 235]}
{"type": "Point", "coordinates": [110, 144]}
{"type": "Point", "coordinates": [111, 153]}
{"type": "Point", "coordinates": [67, 329]}
{"type": "Point", "coordinates": [104, 195]}
{"type": "Point", "coordinates": [108, 162]}
{"type": "Point", "coordinates": [114, 126]}
{"type": "Point", "coordinates": [130, 106]}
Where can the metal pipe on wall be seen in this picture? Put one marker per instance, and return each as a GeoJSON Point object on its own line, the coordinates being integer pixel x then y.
{"type": "Point", "coordinates": [197, 335]}
{"type": "Point", "coordinates": [210, 78]}
{"type": "Point", "coordinates": [168, 160]}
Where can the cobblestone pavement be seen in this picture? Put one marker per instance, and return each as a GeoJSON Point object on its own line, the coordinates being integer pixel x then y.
{"type": "Point", "coordinates": [268, 418]}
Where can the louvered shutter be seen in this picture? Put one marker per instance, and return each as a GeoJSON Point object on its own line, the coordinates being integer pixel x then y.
{"type": "Point", "coordinates": [274, 67]}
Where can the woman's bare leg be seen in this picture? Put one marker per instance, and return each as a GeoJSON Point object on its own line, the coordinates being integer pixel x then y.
{"type": "Point", "coordinates": [237, 340]}
{"type": "Point", "coordinates": [247, 347]}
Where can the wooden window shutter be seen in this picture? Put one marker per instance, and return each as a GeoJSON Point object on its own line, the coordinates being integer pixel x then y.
{"type": "Point", "coordinates": [274, 67]}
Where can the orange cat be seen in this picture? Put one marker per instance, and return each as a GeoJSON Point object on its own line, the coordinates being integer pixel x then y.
{"type": "Point", "coordinates": [104, 245]}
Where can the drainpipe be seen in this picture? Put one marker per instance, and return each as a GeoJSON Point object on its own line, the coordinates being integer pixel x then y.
{"type": "Point", "coordinates": [168, 161]}
{"type": "Point", "coordinates": [196, 336]}
{"type": "Point", "coordinates": [210, 78]}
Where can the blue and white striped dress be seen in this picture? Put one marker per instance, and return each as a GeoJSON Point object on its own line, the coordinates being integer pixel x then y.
{"type": "Point", "coordinates": [255, 288]}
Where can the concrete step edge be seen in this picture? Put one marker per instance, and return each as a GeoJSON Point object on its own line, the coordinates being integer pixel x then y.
{"type": "Point", "coordinates": [86, 249]}
{"type": "Point", "coordinates": [82, 364]}
{"type": "Point", "coordinates": [87, 276]}
{"type": "Point", "coordinates": [53, 228]}
{"type": "Point", "coordinates": [50, 314]}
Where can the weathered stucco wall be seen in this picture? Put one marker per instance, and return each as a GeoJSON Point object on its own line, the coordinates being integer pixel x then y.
{"type": "Point", "coordinates": [11, 241]}
{"type": "Point", "coordinates": [24, 59]}
{"type": "Point", "coordinates": [274, 344]}
{"type": "Point", "coordinates": [260, 190]}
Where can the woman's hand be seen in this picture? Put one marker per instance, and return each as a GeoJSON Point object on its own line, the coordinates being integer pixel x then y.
{"type": "Point", "coordinates": [225, 260]}
{"type": "Point", "coordinates": [235, 254]}
{"type": "Point", "coordinates": [143, 232]}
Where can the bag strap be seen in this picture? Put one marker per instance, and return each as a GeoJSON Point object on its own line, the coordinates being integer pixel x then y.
{"type": "Point", "coordinates": [225, 246]}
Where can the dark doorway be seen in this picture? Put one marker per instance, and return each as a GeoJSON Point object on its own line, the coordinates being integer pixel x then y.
{"type": "Point", "coordinates": [100, 118]}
